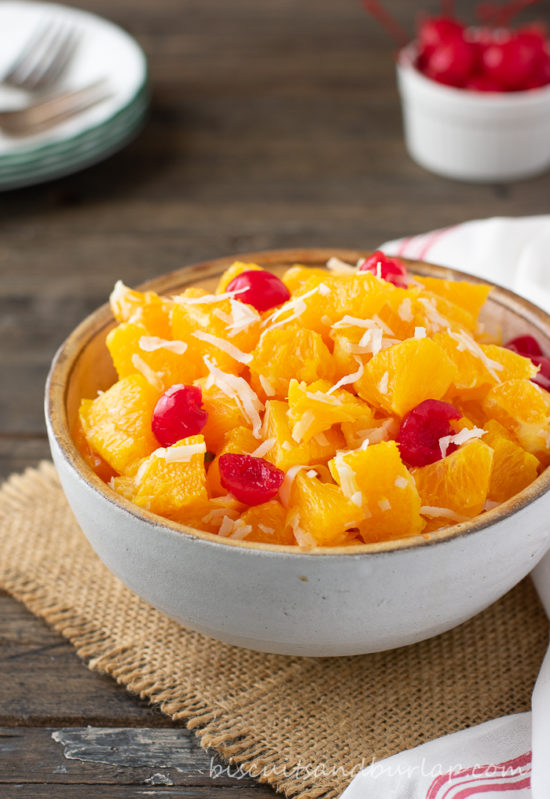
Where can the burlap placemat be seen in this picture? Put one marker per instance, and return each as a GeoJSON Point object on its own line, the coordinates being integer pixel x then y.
{"type": "Point", "coordinates": [303, 725]}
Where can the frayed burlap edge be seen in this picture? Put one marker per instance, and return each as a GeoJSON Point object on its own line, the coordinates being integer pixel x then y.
{"type": "Point", "coordinates": [302, 725]}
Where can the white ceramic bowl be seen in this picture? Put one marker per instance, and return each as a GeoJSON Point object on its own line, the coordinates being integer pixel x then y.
{"type": "Point", "coordinates": [474, 136]}
{"type": "Point", "coordinates": [277, 599]}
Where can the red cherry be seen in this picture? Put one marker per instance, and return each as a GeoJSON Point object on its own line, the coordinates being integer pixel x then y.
{"type": "Point", "coordinates": [524, 345]}
{"type": "Point", "coordinates": [262, 289]}
{"type": "Point", "coordinates": [482, 83]}
{"type": "Point", "coordinates": [542, 378]}
{"type": "Point", "coordinates": [510, 62]}
{"type": "Point", "coordinates": [452, 63]}
{"type": "Point", "coordinates": [178, 414]}
{"type": "Point", "coordinates": [392, 270]}
{"type": "Point", "coordinates": [421, 429]}
{"type": "Point", "coordinates": [529, 347]}
{"type": "Point", "coordinates": [435, 31]}
{"type": "Point", "coordinates": [251, 480]}
{"type": "Point", "coordinates": [541, 75]}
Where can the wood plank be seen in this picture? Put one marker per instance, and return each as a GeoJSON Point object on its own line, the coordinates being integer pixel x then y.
{"type": "Point", "coordinates": [43, 681]}
{"type": "Point", "coordinates": [86, 791]}
{"type": "Point", "coordinates": [17, 452]}
{"type": "Point", "coordinates": [111, 756]}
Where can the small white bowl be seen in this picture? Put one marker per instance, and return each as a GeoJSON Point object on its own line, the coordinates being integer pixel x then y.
{"type": "Point", "coordinates": [330, 601]}
{"type": "Point", "coordinates": [473, 136]}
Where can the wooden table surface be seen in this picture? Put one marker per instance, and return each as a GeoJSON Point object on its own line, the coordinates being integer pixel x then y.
{"type": "Point", "coordinates": [273, 124]}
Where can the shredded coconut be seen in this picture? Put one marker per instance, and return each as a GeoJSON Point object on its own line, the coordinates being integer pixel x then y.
{"type": "Point", "coordinates": [357, 499]}
{"type": "Point", "coordinates": [384, 504]}
{"type": "Point", "coordinates": [144, 369]}
{"type": "Point", "coordinates": [312, 473]}
{"type": "Point", "coordinates": [420, 332]}
{"type": "Point", "coordinates": [207, 298]}
{"type": "Point", "coordinates": [321, 440]}
{"type": "Point", "coordinates": [264, 447]}
{"type": "Point", "coordinates": [300, 428]}
{"type": "Point", "coordinates": [337, 265]}
{"type": "Point", "coordinates": [346, 476]}
{"type": "Point", "coordinates": [267, 386]}
{"type": "Point", "coordinates": [181, 453]}
{"type": "Point", "coordinates": [466, 342]}
{"type": "Point", "coordinates": [152, 343]}
{"type": "Point", "coordinates": [459, 438]}
{"type": "Point", "coordinates": [240, 530]}
{"type": "Point", "coordinates": [383, 384]}
{"type": "Point", "coordinates": [119, 290]}
{"type": "Point", "coordinates": [264, 528]}
{"type": "Point", "coordinates": [433, 512]}
{"type": "Point", "coordinates": [305, 540]}
{"type": "Point", "coordinates": [286, 487]}
{"type": "Point", "coordinates": [347, 379]}
{"type": "Point", "coordinates": [404, 311]}
{"type": "Point", "coordinates": [225, 346]}
{"type": "Point", "coordinates": [238, 389]}
{"type": "Point", "coordinates": [226, 527]}
{"type": "Point", "coordinates": [242, 317]}
{"type": "Point", "coordinates": [401, 482]}
{"type": "Point", "coordinates": [433, 315]}
{"type": "Point", "coordinates": [372, 340]}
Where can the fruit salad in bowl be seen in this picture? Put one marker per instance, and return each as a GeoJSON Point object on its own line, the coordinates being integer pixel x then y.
{"type": "Point", "coordinates": [309, 452]}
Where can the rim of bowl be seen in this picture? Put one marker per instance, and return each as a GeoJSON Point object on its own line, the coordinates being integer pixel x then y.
{"type": "Point", "coordinates": [406, 60]}
{"type": "Point", "coordinates": [69, 352]}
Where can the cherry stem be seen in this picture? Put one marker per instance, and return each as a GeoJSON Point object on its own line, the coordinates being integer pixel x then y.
{"type": "Point", "coordinates": [387, 21]}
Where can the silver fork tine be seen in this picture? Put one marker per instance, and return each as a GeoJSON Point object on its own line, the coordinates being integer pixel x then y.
{"type": "Point", "coordinates": [27, 53]}
{"type": "Point", "coordinates": [61, 51]}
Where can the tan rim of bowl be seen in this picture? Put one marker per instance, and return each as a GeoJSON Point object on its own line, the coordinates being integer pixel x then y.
{"type": "Point", "coordinates": [67, 355]}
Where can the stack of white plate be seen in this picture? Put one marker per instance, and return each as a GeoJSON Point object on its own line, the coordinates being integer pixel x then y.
{"type": "Point", "coordinates": [104, 52]}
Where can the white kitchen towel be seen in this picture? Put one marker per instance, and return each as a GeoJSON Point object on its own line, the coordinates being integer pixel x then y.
{"type": "Point", "coordinates": [509, 757]}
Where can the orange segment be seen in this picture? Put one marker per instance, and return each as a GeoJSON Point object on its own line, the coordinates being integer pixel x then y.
{"type": "Point", "coordinates": [268, 523]}
{"type": "Point", "coordinates": [224, 413]}
{"type": "Point", "coordinates": [402, 376]}
{"type": "Point", "coordinates": [458, 483]}
{"type": "Point", "coordinates": [117, 424]}
{"type": "Point", "coordinates": [144, 308]}
{"type": "Point", "coordinates": [288, 352]}
{"type": "Point", "coordinates": [209, 515]}
{"type": "Point", "coordinates": [442, 314]}
{"type": "Point", "coordinates": [312, 410]}
{"type": "Point", "coordinates": [297, 276]}
{"type": "Point", "coordinates": [94, 461]}
{"type": "Point", "coordinates": [376, 479]}
{"type": "Point", "coordinates": [215, 330]}
{"type": "Point", "coordinates": [513, 468]}
{"type": "Point", "coordinates": [319, 513]}
{"type": "Point", "coordinates": [523, 408]}
{"type": "Point", "coordinates": [131, 346]}
{"type": "Point", "coordinates": [476, 372]}
{"type": "Point", "coordinates": [285, 452]}
{"type": "Point", "coordinates": [173, 480]}
{"type": "Point", "coordinates": [469, 296]}
{"type": "Point", "coordinates": [324, 302]}
{"type": "Point", "coordinates": [514, 366]}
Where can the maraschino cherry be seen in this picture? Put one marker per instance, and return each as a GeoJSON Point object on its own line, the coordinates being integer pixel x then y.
{"type": "Point", "coordinates": [178, 414]}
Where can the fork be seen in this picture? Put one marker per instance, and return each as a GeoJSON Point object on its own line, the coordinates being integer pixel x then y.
{"type": "Point", "coordinates": [46, 114]}
{"type": "Point", "coordinates": [43, 58]}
